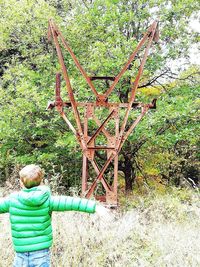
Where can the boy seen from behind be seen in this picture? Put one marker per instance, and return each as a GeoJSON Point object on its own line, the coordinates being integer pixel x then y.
{"type": "Point", "coordinates": [30, 217]}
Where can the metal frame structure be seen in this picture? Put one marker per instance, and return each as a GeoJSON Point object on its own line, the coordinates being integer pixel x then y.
{"type": "Point", "coordinates": [114, 141]}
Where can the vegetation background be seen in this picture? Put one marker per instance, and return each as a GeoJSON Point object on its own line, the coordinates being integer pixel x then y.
{"type": "Point", "coordinates": [102, 34]}
{"type": "Point", "coordinates": [160, 154]}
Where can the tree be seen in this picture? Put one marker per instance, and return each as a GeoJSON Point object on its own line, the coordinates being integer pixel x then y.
{"type": "Point", "coordinates": [28, 132]}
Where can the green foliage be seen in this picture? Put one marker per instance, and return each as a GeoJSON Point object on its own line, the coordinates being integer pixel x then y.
{"type": "Point", "coordinates": [171, 135]}
{"type": "Point", "coordinates": [102, 35]}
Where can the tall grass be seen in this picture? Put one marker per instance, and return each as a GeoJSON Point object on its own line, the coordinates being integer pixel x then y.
{"type": "Point", "coordinates": [158, 231]}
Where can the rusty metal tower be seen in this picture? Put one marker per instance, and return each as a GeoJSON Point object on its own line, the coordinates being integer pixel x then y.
{"type": "Point", "coordinates": [115, 140]}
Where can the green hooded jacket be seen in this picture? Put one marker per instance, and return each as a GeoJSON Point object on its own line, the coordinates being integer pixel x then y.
{"type": "Point", "coordinates": [30, 215]}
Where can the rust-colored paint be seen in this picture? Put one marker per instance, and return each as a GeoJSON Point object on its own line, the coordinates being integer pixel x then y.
{"type": "Point", "coordinates": [114, 140]}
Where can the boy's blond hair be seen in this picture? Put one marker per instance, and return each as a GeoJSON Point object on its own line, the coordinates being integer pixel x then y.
{"type": "Point", "coordinates": [31, 175]}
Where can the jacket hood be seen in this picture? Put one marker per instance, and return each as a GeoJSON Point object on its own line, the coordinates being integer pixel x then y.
{"type": "Point", "coordinates": [35, 196]}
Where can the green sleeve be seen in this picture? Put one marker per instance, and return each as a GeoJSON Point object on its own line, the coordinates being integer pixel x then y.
{"type": "Point", "coordinates": [4, 205]}
{"type": "Point", "coordinates": [63, 203]}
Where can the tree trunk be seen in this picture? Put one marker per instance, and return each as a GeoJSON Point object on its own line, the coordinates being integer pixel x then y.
{"type": "Point", "coordinates": [129, 174]}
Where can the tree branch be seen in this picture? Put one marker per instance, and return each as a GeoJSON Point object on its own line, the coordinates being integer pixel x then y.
{"type": "Point", "coordinates": [152, 80]}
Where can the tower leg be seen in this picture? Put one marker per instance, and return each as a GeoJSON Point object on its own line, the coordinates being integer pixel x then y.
{"type": "Point", "coordinates": [111, 195]}
{"type": "Point", "coordinates": [84, 175]}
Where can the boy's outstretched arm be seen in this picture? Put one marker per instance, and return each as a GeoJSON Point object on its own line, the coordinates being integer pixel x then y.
{"type": "Point", "coordinates": [64, 203]}
{"type": "Point", "coordinates": [4, 205]}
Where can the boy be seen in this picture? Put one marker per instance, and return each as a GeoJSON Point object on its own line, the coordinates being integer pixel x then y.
{"type": "Point", "coordinates": [30, 217]}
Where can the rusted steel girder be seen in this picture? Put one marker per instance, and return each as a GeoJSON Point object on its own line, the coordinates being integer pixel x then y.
{"type": "Point", "coordinates": [115, 140]}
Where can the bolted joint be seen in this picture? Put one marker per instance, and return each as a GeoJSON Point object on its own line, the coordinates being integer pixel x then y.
{"type": "Point", "coordinates": [101, 100]}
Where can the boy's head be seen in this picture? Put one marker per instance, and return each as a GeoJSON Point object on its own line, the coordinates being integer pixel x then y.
{"type": "Point", "coordinates": [31, 175]}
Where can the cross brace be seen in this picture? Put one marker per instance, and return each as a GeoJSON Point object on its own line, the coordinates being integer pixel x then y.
{"type": "Point", "coordinates": [116, 138]}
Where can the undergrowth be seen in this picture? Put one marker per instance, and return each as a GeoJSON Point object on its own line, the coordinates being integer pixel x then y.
{"type": "Point", "coordinates": [147, 230]}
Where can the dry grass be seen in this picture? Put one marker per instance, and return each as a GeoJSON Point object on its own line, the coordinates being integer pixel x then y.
{"type": "Point", "coordinates": [160, 231]}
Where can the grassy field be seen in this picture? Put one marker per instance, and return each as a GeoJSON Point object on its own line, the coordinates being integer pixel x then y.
{"type": "Point", "coordinates": [153, 230]}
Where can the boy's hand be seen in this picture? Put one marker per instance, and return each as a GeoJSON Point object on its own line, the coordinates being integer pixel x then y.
{"type": "Point", "coordinates": [104, 213]}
